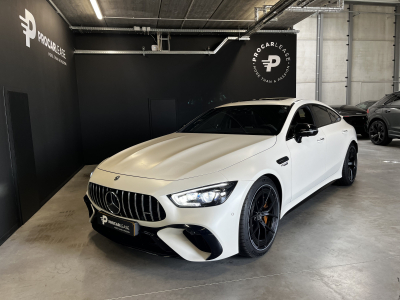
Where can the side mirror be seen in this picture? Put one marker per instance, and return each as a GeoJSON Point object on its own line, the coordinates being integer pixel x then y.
{"type": "Point", "coordinates": [303, 130]}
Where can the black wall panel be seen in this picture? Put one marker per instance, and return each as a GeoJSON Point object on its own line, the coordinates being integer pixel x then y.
{"type": "Point", "coordinates": [22, 153]}
{"type": "Point", "coordinates": [114, 89]}
{"type": "Point", "coordinates": [52, 92]}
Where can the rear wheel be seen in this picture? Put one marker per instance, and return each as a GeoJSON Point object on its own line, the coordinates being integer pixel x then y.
{"type": "Point", "coordinates": [259, 219]}
{"type": "Point", "coordinates": [378, 133]}
{"type": "Point", "coordinates": [350, 165]}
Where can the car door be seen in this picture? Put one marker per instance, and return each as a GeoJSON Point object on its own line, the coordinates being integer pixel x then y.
{"type": "Point", "coordinates": [391, 111]}
{"type": "Point", "coordinates": [328, 122]}
{"type": "Point", "coordinates": [307, 157]}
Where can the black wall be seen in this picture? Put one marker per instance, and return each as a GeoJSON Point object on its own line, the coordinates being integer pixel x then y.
{"type": "Point", "coordinates": [53, 101]}
{"type": "Point", "coordinates": [114, 89]}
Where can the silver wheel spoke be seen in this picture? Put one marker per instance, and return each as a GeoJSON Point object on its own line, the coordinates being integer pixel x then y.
{"type": "Point", "coordinates": [268, 214]}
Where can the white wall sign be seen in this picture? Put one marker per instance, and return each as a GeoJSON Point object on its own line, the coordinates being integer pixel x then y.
{"type": "Point", "coordinates": [271, 62]}
{"type": "Point", "coordinates": [30, 31]}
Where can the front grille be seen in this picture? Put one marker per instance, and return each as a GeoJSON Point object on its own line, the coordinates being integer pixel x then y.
{"type": "Point", "coordinates": [132, 205]}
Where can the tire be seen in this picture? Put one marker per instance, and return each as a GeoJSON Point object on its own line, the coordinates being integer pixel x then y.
{"type": "Point", "coordinates": [256, 231]}
{"type": "Point", "coordinates": [378, 133]}
{"type": "Point", "coordinates": [350, 165]}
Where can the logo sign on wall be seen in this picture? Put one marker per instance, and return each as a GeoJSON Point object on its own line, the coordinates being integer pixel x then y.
{"type": "Point", "coordinates": [271, 62]}
{"type": "Point", "coordinates": [29, 32]}
{"type": "Point", "coordinates": [29, 24]}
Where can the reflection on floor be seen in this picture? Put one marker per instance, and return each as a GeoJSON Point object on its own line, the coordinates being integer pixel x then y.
{"type": "Point", "coordinates": [341, 243]}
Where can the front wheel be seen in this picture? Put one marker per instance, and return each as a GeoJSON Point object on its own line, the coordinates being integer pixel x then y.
{"type": "Point", "coordinates": [378, 133]}
{"type": "Point", "coordinates": [350, 165]}
{"type": "Point", "coordinates": [259, 219]}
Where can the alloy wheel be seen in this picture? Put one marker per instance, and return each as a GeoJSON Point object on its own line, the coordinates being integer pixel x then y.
{"type": "Point", "coordinates": [377, 132]}
{"type": "Point", "coordinates": [352, 164]}
{"type": "Point", "coordinates": [263, 217]}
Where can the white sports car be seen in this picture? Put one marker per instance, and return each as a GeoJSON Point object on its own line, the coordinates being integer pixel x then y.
{"type": "Point", "coordinates": [220, 185]}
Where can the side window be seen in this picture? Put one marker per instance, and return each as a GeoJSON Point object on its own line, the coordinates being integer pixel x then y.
{"type": "Point", "coordinates": [302, 115]}
{"type": "Point", "coordinates": [321, 115]}
{"type": "Point", "coordinates": [394, 101]}
{"type": "Point", "coordinates": [334, 116]}
{"type": "Point", "coordinates": [392, 98]}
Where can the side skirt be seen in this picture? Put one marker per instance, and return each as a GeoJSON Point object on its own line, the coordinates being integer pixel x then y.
{"type": "Point", "coordinates": [295, 202]}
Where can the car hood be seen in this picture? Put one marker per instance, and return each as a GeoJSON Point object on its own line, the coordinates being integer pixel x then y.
{"type": "Point", "coordinates": [183, 155]}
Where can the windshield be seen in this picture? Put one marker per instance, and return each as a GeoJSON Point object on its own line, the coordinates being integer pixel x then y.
{"type": "Point", "coordinates": [246, 119]}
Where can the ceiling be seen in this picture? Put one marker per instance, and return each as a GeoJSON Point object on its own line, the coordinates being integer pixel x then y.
{"type": "Point", "coordinates": [120, 13]}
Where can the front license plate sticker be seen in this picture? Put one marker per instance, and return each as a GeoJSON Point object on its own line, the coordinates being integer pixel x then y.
{"type": "Point", "coordinates": [118, 224]}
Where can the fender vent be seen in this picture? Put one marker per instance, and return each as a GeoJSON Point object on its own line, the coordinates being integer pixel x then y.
{"type": "Point", "coordinates": [131, 205]}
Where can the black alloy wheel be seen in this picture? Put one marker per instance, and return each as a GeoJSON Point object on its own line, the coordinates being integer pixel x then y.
{"type": "Point", "coordinates": [350, 165]}
{"type": "Point", "coordinates": [378, 133]}
{"type": "Point", "coordinates": [260, 218]}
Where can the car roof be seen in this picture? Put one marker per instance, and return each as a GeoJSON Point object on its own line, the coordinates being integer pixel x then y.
{"type": "Point", "coordinates": [270, 101]}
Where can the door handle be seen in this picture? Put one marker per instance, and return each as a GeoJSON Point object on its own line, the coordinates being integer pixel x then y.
{"type": "Point", "coordinates": [320, 140]}
{"type": "Point", "coordinates": [387, 111]}
{"type": "Point", "coordinates": [283, 160]}
{"type": "Point", "coordinates": [344, 131]}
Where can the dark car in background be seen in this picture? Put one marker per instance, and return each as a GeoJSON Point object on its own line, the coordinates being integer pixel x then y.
{"type": "Point", "coordinates": [355, 116]}
{"type": "Point", "coordinates": [384, 119]}
{"type": "Point", "coordinates": [366, 104]}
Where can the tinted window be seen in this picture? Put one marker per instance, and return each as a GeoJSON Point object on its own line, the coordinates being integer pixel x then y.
{"type": "Point", "coordinates": [334, 116]}
{"type": "Point", "coordinates": [394, 103]}
{"type": "Point", "coordinates": [246, 119]}
{"type": "Point", "coordinates": [302, 115]}
{"type": "Point", "coordinates": [392, 98]}
{"type": "Point", "coordinates": [321, 115]}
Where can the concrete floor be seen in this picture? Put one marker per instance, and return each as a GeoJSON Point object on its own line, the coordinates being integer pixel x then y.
{"type": "Point", "coordinates": [342, 243]}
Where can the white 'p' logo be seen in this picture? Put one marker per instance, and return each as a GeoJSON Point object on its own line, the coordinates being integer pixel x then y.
{"type": "Point", "coordinates": [271, 62]}
{"type": "Point", "coordinates": [30, 33]}
{"type": "Point", "coordinates": [104, 219]}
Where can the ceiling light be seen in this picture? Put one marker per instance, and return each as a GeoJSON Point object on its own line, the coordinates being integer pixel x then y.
{"type": "Point", "coordinates": [96, 9]}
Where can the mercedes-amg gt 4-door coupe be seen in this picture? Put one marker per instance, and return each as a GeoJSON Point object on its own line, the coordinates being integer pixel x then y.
{"type": "Point", "coordinates": [220, 185]}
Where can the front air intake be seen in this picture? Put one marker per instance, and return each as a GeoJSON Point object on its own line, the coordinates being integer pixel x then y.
{"type": "Point", "coordinates": [126, 204]}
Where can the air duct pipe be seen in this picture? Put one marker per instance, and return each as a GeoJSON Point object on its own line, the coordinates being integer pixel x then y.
{"type": "Point", "coordinates": [146, 52]}
{"type": "Point", "coordinates": [310, 9]}
{"type": "Point", "coordinates": [171, 30]}
{"type": "Point", "coordinates": [274, 12]}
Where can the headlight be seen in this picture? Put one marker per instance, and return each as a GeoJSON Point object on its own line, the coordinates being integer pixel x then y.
{"type": "Point", "coordinates": [210, 195]}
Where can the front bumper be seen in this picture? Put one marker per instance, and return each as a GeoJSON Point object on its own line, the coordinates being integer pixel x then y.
{"type": "Point", "coordinates": [195, 234]}
{"type": "Point", "coordinates": [148, 240]}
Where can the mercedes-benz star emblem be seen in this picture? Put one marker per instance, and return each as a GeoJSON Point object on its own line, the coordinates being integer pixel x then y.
{"type": "Point", "coordinates": [113, 203]}
{"type": "Point", "coordinates": [116, 178]}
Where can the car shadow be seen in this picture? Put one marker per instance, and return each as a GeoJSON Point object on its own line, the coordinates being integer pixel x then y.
{"type": "Point", "coordinates": [394, 144]}
{"type": "Point", "coordinates": [148, 264]}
